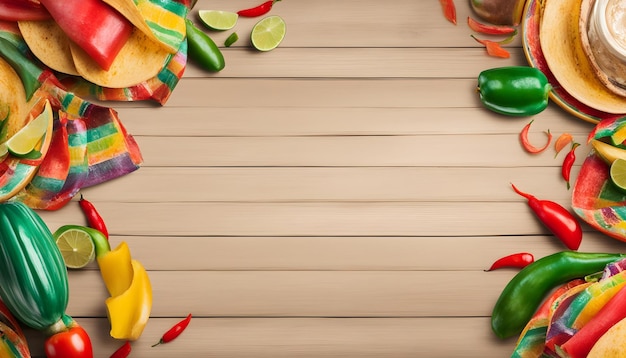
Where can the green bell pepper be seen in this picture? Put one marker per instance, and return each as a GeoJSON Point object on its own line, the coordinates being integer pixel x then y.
{"type": "Point", "coordinates": [514, 90]}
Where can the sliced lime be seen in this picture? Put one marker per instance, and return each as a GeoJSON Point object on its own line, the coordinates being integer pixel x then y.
{"type": "Point", "coordinates": [218, 20]}
{"type": "Point", "coordinates": [25, 140]}
{"type": "Point", "coordinates": [268, 33]}
{"type": "Point", "coordinates": [231, 39]}
{"type": "Point", "coordinates": [618, 174]}
{"type": "Point", "coordinates": [76, 246]}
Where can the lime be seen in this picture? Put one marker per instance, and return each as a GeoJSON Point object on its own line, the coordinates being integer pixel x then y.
{"type": "Point", "coordinates": [24, 141]}
{"type": "Point", "coordinates": [268, 33]}
{"type": "Point", "coordinates": [618, 174]}
{"type": "Point", "coordinates": [218, 20]}
{"type": "Point", "coordinates": [76, 246]}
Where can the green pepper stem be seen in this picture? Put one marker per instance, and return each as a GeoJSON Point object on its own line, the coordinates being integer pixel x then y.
{"type": "Point", "coordinates": [29, 72]}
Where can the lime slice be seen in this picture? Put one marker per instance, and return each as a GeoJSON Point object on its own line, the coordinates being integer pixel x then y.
{"type": "Point", "coordinates": [231, 39]}
{"type": "Point", "coordinates": [268, 33]}
{"type": "Point", "coordinates": [218, 20]}
{"type": "Point", "coordinates": [24, 141]}
{"type": "Point", "coordinates": [618, 174]}
{"type": "Point", "coordinates": [76, 246]}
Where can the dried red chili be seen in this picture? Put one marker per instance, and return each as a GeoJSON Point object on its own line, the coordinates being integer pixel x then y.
{"type": "Point", "coordinates": [568, 162]}
{"type": "Point", "coordinates": [175, 331]}
{"type": "Point", "coordinates": [123, 351]}
{"type": "Point", "coordinates": [518, 260]}
{"type": "Point", "coordinates": [486, 29]}
{"type": "Point", "coordinates": [557, 219]}
{"type": "Point", "coordinates": [526, 143]}
{"type": "Point", "coordinates": [449, 10]}
{"type": "Point", "coordinates": [94, 219]}
{"type": "Point", "coordinates": [259, 10]}
{"type": "Point", "coordinates": [493, 48]}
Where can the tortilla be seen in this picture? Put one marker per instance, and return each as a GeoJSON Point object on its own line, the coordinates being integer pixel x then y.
{"type": "Point", "coordinates": [132, 13]}
{"type": "Point", "coordinates": [13, 105]}
{"type": "Point", "coordinates": [139, 60]}
{"type": "Point", "coordinates": [562, 48]}
{"type": "Point", "coordinates": [612, 343]}
{"type": "Point", "coordinates": [49, 44]}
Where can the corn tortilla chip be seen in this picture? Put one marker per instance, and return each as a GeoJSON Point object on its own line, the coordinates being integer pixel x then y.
{"type": "Point", "coordinates": [562, 48]}
{"type": "Point", "coordinates": [49, 44]}
{"type": "Point", "coordinates": [12, 100]}
{"type": "Point", "coordinates": [140, 59]}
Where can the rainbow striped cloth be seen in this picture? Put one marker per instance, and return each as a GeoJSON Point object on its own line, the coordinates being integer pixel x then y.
{"type": "Point", "coordinates": [89, 144]}
{"type": "Point", "coordinates": [595, 199]}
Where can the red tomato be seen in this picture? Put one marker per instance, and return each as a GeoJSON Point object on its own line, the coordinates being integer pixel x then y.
{"type": "Point", "coordinates": [72, 343]}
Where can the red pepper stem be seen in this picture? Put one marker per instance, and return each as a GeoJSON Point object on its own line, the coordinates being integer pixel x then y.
{"type": "Point", "coordinates": [525, 195]}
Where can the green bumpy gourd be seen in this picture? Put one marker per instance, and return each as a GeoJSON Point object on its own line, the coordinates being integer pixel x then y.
{"type": "Point", "coordinates": [33, 277]}
{"type": "Point", "coordinates": [514, 90]}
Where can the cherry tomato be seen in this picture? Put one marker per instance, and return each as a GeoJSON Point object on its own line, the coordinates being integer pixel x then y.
{"type": "Point", "coordinates": [71, 343]}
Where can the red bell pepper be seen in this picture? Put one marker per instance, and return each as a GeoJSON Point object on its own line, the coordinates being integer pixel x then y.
{"type": "Point", "coordinates": [93, 25]}
{"type": "Point", "coordinates": [18, 10]}
{"type": "Point", "coordinates": [613, 311]}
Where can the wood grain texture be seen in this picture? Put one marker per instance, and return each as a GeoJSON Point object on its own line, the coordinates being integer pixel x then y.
{"type": "Point", "coordinates": [339, 196]}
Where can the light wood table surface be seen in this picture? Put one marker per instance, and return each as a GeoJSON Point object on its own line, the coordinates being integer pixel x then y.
{"type": "Point", "coordinates": [339, 196]}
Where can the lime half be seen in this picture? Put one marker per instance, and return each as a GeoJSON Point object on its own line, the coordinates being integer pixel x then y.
{"type": "Point", "coordinates": [76, 246]}
{"type": "Point", "coordinates": [218, 20]}
{"type": "Point", "coordinates": [618, 174]}
{"type": "Point", "coordinates": [268, 33]}
{"type": "Point", "coordinates": [24, 141]}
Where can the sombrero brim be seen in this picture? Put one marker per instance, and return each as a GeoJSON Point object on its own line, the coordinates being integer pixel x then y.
{"type": "Point", "coordinates": [562, 47]}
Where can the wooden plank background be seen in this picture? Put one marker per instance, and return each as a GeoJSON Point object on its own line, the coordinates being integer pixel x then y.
{"type": "Point", "coordinates": [339, 196]}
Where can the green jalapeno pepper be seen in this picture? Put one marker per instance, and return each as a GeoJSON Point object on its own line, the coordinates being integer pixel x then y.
{"type": "Point", "coordinates": [514, 90]}
{"type": "Point", "coordinates": [202, 49]}
{"type": "Point", "coordinates": [524, 293]}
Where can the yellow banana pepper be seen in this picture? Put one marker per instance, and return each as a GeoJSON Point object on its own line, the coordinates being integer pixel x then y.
{"type": "Point", "coordinates": [128, 284]}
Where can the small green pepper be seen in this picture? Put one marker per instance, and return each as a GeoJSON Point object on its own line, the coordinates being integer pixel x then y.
{"type": "Point", "coordinates": [514, 90]}
{"type": "Point", "coordinates": [524, 293]}
{"type": "Point", "coordinates": [202, 49]}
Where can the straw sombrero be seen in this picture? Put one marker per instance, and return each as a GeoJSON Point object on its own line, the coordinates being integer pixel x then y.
{"type": "Point", "coordinates": [562, 46]}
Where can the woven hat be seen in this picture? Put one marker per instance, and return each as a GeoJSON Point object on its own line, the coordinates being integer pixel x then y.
{"type": "Point", "coordinates": [562, 45]}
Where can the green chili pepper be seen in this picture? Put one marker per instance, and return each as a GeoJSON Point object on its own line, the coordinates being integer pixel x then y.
{"type": "Point", "coordinates": [514, 90]}
{"type": "Point", "coordinates": [29, 72]}
{"type": "Point", "coordinates": [524, 293]}
{"type": "Point", "coordinates": [203, 49]}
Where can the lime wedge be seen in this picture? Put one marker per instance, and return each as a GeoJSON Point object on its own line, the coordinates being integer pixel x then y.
{"type": "Point", "coordinates": [76, 246]}
{"type": "Point", "coordinates": [268, 33]}
{"type": "Point", "coordinates": [218, 20]}
{"type": "Point", "coordinates": [618, 174]}
{"type": "Point", "coordinates": [24, 141]}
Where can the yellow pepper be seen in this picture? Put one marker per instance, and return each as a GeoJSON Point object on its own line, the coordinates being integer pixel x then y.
{"type": "Point", "coordinates": [128, 284]}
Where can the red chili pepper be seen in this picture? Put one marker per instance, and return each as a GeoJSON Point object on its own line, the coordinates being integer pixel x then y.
{"type": "Point", "coordinates": [175, 331]}
{"type": "Point", "coordinates": [259, 10]}
{"type": "Point", "coordinates": [489, 29]}
{"type": "Point", "coordinates": [518, 260]}
{"type": "Point", "coordinates": [123, 351]}
{"type": "Point", "coordinates": [568, 162]}
{"type": "Point", "coordinates": [93, 217]}
{"type": "Point", "coordinates": [493, 48]}
{"type": "Point", "coordinates": [557, 219]}
{"type": "Point", "coordinates": [526, 143]}
{"type": "Point", "coordinates": [449, 10]}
